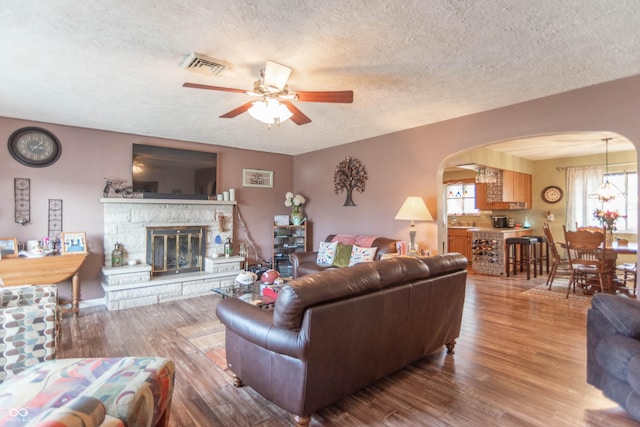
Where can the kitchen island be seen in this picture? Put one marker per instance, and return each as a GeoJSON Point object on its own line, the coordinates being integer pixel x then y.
{"type": "Point", "coordinates": [486, 247]}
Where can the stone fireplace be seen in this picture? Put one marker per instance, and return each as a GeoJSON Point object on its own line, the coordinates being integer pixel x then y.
{"type": "Point", "coordinates": [184, 229]}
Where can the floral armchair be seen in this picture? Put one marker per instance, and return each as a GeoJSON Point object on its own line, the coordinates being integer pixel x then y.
{"type": "Point", "coordinates": [106, 392]}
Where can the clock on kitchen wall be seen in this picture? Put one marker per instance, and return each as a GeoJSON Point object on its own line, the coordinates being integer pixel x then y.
{"type": "Point", "coordinates": [35, 147]}
{"type": "Point", "coordinates": [552, 194]}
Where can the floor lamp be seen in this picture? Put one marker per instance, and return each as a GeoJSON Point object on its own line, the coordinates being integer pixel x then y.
{"type": "Point", "coordinates": [414, 209]}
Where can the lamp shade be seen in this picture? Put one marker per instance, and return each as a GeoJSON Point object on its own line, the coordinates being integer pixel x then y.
{"type": "Point", "coordinates": [270, 111]}
{"type": "Point", "coordinates": [414, 209]}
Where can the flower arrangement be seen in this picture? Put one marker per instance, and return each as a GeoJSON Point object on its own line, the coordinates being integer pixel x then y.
{"type": "Point", "coordinates": [607, 218]}
{"type": "Point", "coordinates": [293, 201]}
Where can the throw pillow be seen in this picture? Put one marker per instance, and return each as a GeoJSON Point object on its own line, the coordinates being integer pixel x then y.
{"type": "Point", "coordinates": [326, 253]}
{"type": "Point", "coordinates": [343, 255]}
{"type": "Point", "coordinates": [359, 254]}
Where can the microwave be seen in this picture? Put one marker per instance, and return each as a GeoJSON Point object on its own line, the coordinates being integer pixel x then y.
{"type": "Point", "coordinates": [499, 221]}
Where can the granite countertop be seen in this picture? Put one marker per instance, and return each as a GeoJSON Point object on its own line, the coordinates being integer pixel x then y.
{"type": "Point", "coordinates": [487, 229]}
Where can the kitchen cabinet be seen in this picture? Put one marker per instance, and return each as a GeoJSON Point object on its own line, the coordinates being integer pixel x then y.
{"type": "Point", "coordinates": [511, 191]}
{"type": "Point", "coordinates": [459, 240]}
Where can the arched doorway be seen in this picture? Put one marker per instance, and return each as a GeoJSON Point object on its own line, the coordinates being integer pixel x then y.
{"type": "Point", "coordinates": [547, 158]}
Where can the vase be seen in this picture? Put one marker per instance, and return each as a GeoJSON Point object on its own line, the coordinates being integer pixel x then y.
{"type": "Point", "coordinates": [609, 238]}
{"type": "Point", "coordinates": [296, 216]}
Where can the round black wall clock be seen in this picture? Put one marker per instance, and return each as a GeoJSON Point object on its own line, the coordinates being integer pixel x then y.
{"type": "Point", "coordinates": [35, 147]}
{"type": "Point", "coordinates": [552, 194]}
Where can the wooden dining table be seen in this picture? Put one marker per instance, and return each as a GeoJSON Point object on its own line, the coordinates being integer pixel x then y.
{"type": "Point", "coordinates": [611, 260]}
{"type": "Point", "coordinates": [53, 269]}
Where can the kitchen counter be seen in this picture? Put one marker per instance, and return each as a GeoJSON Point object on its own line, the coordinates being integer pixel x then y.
{"type": "Point", "coordinates": [487, 229]}
{"type": "Point", "coordinates": [489, 248]}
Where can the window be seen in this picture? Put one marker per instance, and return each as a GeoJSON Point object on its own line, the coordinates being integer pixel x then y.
{"type": "Point", "coordinates": [461, 198]}
{"type": "Point", "coordinates": [582, 185]}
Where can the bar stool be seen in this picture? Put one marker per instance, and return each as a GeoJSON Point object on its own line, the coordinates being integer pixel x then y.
{"type": "Point", "coordinates": [541, 252]}
{"type": "Point", "coordinates": [525, 246]}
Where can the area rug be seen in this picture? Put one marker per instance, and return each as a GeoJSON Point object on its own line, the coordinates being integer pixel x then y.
{"type": "Point", "coordinates": [208, 338]}
{"type": "Point", "coordinates": [558, 293]}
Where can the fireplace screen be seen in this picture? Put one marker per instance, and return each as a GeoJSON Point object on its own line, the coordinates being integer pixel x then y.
{"type": "Point", "coordinates": [173, 250]}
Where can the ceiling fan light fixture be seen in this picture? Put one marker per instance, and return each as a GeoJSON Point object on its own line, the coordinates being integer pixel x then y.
{"type": "Point", "coordinates": [270, 111]}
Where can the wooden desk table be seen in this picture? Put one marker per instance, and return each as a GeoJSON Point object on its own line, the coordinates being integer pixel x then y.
{"type": "Point", "coordinates": [43, 271]}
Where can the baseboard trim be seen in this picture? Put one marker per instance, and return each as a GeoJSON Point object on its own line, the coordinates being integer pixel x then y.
{"type": "Point", "coordinates": [92, 303]}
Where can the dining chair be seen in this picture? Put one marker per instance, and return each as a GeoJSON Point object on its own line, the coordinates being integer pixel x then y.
{"type": "Point", "coordinates": [628, 274]}
{"type": "Point", "coordinates": [592, 228]}
{"type": "Point", "coordinates": [585, 253]}
{"type": "Point", "coordinates": [559, 264]}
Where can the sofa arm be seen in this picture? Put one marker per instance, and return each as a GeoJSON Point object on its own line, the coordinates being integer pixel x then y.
{"type": "Point", "coordinates": [622, 313]}
{"type": "Point", "coordinates": [255, 325]}
{"type": "Point", "coordinates": [298, 258]}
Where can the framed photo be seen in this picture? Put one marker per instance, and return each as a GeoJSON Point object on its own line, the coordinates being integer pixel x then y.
{"type": "Point", "coordinates": [8, 247]}
{"type": "Point", "coordinates": [257, 178]}
{"type": "Point", "coordinates": [281, 219]}
{"type": "Point", "coordinates": [74, 242]}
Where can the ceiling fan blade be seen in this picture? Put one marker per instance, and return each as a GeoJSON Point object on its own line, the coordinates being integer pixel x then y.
{"type": "Point", "coordinates": [298, 117]}
{"type": "Point", "coordinates": [343, 97]}
{"type": "Point", "coordinates": [223, 89]}
{"type": "Point", "coordinates": [276, 75]}
{"type": "Point", "coordinates": [236, 112]}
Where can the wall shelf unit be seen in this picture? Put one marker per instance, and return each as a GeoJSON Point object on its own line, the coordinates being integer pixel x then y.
{"type": "Point", "coordinates": [287, 239]}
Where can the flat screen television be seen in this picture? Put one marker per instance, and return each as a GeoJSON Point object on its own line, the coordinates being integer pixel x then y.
{"type": "Point", "coordinates": [173, 173]}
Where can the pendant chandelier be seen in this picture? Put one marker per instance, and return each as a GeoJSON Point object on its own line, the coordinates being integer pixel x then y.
{"type": "Point", "coordinates": [607, 190]}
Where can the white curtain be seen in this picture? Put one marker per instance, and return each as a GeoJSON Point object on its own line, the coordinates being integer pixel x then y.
{"type": "Point", "coordinates": [582, 185]}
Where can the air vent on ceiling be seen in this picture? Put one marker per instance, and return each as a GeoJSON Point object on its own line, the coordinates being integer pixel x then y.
{"type": "Point", "coordinates": [204, 64]}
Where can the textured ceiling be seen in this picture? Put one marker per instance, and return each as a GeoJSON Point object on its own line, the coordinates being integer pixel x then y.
{"type": "Point", "coordinates": [115, 65]}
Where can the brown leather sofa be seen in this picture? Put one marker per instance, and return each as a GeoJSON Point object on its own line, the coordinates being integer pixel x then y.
{"type": "Point", "coordinates": [303, 263]}
{"type": "Point", "coordinates": [332, 333]}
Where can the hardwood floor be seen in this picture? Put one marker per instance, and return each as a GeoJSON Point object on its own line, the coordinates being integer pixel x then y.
{"type": "Point", "coordinates": [519, 362]}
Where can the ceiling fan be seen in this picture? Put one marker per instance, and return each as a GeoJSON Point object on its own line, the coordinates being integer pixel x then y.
{"type": "Point", "coordinates": [274, 105]}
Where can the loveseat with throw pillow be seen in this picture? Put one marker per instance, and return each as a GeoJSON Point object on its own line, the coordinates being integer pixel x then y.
{"type": "Point", "coordinates": [340, 250]}
{"type": "Point", "coordinates": [334, 332]}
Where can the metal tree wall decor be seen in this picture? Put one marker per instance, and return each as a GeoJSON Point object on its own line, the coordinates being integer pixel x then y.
{"type": "Point", "coordinates": [350, 175]}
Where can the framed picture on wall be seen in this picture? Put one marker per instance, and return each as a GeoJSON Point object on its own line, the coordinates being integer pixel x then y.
{"type": "Point", "coordinates": [257, 178]}
{"type": "Point", "coordinates": [8, 247]}
{"type": "Point", "coordinates": [74, 242]}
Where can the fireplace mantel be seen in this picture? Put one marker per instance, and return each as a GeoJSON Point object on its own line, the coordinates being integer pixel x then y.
{"type": "Point", "coordinates": [122, 200]}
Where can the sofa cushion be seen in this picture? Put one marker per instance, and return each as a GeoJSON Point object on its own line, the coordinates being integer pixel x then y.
{"type": "Point", "coordinates": [343, 255]}
{"type": "Point", "coordinates": [326, 253]}
{"type": "Point", "coordinates": [620, 312]}
{"type": "Point", "coordinates": [359, 254]}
